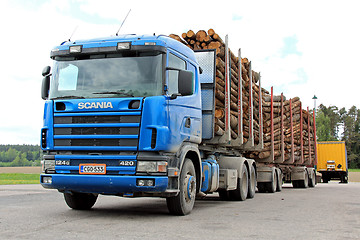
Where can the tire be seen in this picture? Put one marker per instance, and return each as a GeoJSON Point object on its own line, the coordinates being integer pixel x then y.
{"type": "Point", "coordinates": [279, 180]}
{"type": "Point", "coordinates": [80, 201]}
{"type": "Point", "coordinates": [241, 191]}
{"type": "Point", "coordinates": [271, 186]}
{"type": "Point", "coordinates": [304, 183]}
{"type": "Point", "coordinates": [344, 178]}
{"type": "Point", "coordinates": [312, 179]}
{"type": "Point", "coordinates": [252, 182]}
{"type": "Point", "coordinates": [183, 203]}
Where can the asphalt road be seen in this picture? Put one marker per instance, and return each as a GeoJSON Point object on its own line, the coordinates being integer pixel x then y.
{"type": "Point", "coordinates": [328, 211]}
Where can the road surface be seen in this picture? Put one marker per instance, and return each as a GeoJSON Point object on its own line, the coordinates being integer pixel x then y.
{"type": "Point", "coordinates": [328, 211]}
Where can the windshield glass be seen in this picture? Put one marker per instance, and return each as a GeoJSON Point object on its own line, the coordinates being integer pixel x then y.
{"type": "Point", "coordinates": [112, 75]}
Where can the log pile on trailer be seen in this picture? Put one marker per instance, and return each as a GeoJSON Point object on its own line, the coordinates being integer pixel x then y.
{"type": "Point", "coordinates": [270, 128]}
{"type": "Point", "coordinates": [211, 40]}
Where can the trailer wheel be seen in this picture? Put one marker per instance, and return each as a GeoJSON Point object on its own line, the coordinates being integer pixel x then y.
{"type": "Point", "coordinates": [312, 179]}
{"type": "Point", "coordinates": [271, 186]}
{"type": "Point", "coordinates": [241, 191]}
{"type": "Point", "coordinates": [279, 180]}
{"type": "Point", "coordinates": [80, 201]}
{"type": "Point", "coordinates": [344, 178]}
{"type": "Point", "coordinates": [183, 203]}
{"type": "Point", "coordinates": [304, 183]}
{"type": "Point", "coordinates": [252, 182]}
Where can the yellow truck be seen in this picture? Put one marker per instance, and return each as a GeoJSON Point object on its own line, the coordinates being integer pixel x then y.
{"type": "Point", "coordinates": [332, 161]}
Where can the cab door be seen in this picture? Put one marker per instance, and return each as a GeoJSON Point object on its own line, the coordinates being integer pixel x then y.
{"type": "Point", "coordinates": [184, 111]}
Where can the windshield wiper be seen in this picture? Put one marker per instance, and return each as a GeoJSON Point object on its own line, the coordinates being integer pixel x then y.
{"type": "Point", "coordinates": [116, 92]}
{"type": "Point", "coordinates": [72, 97]}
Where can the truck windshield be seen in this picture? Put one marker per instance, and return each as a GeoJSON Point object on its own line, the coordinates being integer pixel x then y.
{"type": "Point", "coordinates": [134, 74]}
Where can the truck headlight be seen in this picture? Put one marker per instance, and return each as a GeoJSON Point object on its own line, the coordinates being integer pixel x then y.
{"type": "Point", "coordinates": [152, 166]}
{"type": "Point", "coordinates": [48, 166]}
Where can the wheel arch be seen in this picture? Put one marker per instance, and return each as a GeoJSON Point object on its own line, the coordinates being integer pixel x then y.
{"type": "Point", "coordinates": [191, 152]}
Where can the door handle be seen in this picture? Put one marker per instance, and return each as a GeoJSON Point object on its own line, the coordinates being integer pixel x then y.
{"type": "Point", "coordinates": [188, 122]}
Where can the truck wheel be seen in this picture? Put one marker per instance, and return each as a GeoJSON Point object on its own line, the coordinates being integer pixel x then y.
{"type": "Point", "coordinates": [271, 186]}
{"type": "Point", "coordinates": [80, 201]}
{"type": "Point", "coordinates": [279, 180]}
{"type": "Point", "coordinates": [252, 182]}
{"type": "Point", "coordinates": [241, 191]}
{"type": "Point", "coordinates": [312, 179]}
{"type": "Point", "coordinates": [183, 203]}
{"type": "Point", "coordinates": [344, 178]}
{"type": "Point", "coordinates": [304, 183]}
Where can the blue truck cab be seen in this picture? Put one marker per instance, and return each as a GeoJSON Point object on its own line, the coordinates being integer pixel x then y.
{"type": "Point", "coordinates": [122, 116]}
{"type": "Point", "coordinates": [134, 116]}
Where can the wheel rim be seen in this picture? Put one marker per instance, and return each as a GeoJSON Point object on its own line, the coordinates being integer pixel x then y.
{"type": "Point", "coordinates": [274, 183]}
{"type": "Point", "coordinates": [244, 186]}
{"type": "Point", "coordinates": [190, 188]}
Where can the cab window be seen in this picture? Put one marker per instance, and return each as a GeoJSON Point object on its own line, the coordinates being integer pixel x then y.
{"type": "Point", "coordinates": [174, 62]}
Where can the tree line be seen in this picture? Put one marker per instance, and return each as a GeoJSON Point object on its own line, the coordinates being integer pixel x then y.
{"type": "Point", "coordinates": [19, 155]}
{"type": "Point", "coordinates": [334, 124]}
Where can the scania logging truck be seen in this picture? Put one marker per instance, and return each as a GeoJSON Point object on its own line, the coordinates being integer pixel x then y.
{"type": "Point", "coordinates": [134, 116]}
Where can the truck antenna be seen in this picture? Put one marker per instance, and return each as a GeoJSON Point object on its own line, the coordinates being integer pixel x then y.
{"type": "Point", "coordinates": [123, 22]}
{"type": "Point", "coordinates": [73, 33]}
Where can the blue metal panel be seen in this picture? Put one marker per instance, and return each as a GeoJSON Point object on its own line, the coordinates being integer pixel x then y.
{"type": "Point", "coordinates": [96, 148]}
{"type": "Point", "coordinates": [99, 157]}
{"type": "Point", "coordinates": [48, 124]}
{"type": "Point", "coordinates": [106, 184]}
{"type": "Point", "coordinates": [154, 116]}
{"type": "Point", "coordinates": [95, 137]}
{"type": "Point", "coordinates": [96, 125]}
{"type": "Point", "coordinates": [135, 40]}
{"type": "Point", "coordinates": [97, 104]}
{"type": "Point", "coordinates": [138, 113]}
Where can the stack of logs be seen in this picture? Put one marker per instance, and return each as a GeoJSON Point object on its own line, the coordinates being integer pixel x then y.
{"type": "Point", "coordinates": [281, 120]}
{"type": "Point", "coordinates": [211, 40]}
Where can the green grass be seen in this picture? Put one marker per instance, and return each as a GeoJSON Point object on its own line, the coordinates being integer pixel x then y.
{"type": "Point", "coordinates": [354, 170]}
{"type": "Point", "coordinates": [19, 178]}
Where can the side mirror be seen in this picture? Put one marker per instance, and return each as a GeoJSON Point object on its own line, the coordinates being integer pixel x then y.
{"type": "Point", "coordinates": [45, 87]}
{"type": "Point", "coordinates": [45, 83]}
{"type": "Point", "coordinates": [46, 71]}
{"type": "Point", "coordinates": [185, 83]}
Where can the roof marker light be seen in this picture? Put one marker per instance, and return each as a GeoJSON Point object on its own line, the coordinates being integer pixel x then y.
{"type": "Point", "coordinates": [76, 49]}
{"type": "Point", "coordinates": [150, 43]}
{"type": "Point", "coordinates": [123, 46]}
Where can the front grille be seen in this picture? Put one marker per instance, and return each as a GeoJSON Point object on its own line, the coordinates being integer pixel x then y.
{"type": "Point", "coordinates": [97, 131]}
{"type": "Point", "coordinates": [109, 131]}
{"type": "Point", "coordinates": [97, 119]}
{"type": "Point", "coordinates": [96, 142]}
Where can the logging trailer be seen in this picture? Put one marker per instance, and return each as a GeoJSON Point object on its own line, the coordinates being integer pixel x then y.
{"type": "Point", "coordinates": [147, 116]}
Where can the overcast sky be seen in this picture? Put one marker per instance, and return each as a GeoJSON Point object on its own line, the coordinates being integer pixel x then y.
{"type": "Point", "coordinates": [301, 48]}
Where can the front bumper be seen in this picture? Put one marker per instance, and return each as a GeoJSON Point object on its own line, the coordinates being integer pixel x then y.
{"type": "Point", "coordinates": [104, 184]}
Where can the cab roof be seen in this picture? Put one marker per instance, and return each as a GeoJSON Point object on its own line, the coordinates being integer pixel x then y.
{"type": "Point", "coordinates": [159, 40]}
